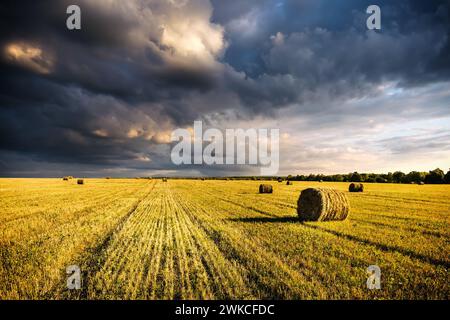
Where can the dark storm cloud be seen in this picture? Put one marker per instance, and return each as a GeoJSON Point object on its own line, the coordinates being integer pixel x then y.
{"type": "Point", "coordinates": [100, 95]}
{"type": "Point", "coordinates": [117, 51]}
{"type": "Point", "coordinates": [326, 42]}
{"type": "Point", "coordinates": [110, 93]}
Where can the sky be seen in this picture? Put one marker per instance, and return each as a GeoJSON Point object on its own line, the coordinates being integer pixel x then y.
{"type": "Point", "coordinates": [104, 100]}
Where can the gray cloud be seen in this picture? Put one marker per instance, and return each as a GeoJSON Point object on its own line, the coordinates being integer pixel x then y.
{"type": "Point", "coordinates": [109, 95]}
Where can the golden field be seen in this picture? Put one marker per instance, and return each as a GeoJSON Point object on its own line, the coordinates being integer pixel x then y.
{"type": "Point", "coordinates": [192, 239]}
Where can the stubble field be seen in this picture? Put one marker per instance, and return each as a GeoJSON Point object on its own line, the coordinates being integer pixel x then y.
{"type": "Point", "coordinates": [193, 239]}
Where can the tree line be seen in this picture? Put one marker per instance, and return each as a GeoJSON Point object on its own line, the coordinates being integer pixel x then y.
{"type": "Point", "coordinates": [436, 176]}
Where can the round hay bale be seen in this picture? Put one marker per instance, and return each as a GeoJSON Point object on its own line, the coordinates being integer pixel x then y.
{"type": "Point", "coordinates": [280, 179]}
{"type": "Point", "coordinates": [356, 187]}
{"type": "Point", "coordinates": [289, 183]}
{"type": "Point", "coordinates": [65, 178]}
{"type": "Point", "coordinates": [164, 180]}
{"type": "Point", "coordinates": [320, 204]}
{"type": "Point", "coordinates": [80, 181]}
{"type": "Point", "coordinates": [265, 188]}
{"type": "Point", "coordinates": [421, 183]}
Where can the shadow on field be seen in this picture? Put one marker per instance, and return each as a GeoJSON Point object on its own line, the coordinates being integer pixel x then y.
{"type": "Point", "coordinates": [382, 246]}
{"type": "Point", "coordinates": [363, 241]}
{"type": "Point", "coordinates": [266, 219]}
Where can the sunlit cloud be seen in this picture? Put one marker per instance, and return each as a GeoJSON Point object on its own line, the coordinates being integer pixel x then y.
{"type": "Point", "coordinates": [162, 137]}
{"type": "Point", "coordinates": [29, 57]}
{"type": "Point", "coordinates": [143, 158]}
{"type": "Point", "coordinates": [101, 133]}
{"type": "Point", "coordinates": [134, 133]}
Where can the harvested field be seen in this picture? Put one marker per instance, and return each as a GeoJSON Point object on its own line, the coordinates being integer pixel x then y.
{"type": "Point", "coordinates": [193, 239]}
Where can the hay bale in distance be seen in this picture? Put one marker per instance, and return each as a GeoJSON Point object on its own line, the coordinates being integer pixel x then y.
{"type": "Point", "coordinates": [356, 187]}
{"type": "Point", "coordinates": [80, 181]}
{"type": "Point", "coordinates": [65, 178]}
{"type": "Point", "coordinates": [321, 204]}
{"type": "Point", "coordinates": [280, 179]}
{"type": "Point", "coordinates": [289, 183]}
{"type": "Point", "coordinates": [421, 183]}
{"type": "Point", "coordinates": [164, 180]}
{"type": "Point", "coordinates": [265, 188]}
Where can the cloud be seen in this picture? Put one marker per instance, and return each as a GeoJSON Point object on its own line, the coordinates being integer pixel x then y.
{"type": "Point", "coordinates": [111, 93]}
{"type": "Point", "coordinates": [29, 57]}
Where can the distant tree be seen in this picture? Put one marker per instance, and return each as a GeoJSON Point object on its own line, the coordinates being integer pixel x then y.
{"type": "Point", "coordinates": [320, 177]}
{"type": "Point", "coordinates": [398, 176]}
{"type": "Point", "coordinates": [380, 179]}
{"type": "Point", "coordinates": [338, 178]}
{"type": "Point", "coordinates": [390, 177]}
{"type": "Point", "coordinates": [435, 176]}
{"type": "Point", "coordinates": [414, 176]}
{"type": "Point", "coordinates": [447, 177]}
{"type": "Point", "coordinates": [355, 177]}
